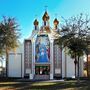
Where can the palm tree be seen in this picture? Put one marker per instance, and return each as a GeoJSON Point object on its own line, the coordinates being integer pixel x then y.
{"type": "Point", "coordinates": [9, 34]}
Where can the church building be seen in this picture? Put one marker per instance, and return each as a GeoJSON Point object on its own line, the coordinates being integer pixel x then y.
{"type": "Point", "coordinates": [39, 57]}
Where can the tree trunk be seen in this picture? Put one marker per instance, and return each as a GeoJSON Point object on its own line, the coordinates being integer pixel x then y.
{"type": "Point", "coordinates": [6, 62]}
{"type": "Point", "coordinates": [65, 63]}
{"type": "Point", "coordinates": [75, 62]}
{"type": "Point", "coordinates": [75, 70]}
{"type": "Point", "coordinates": [78, 66]}
{"type": "Point", "coordinates": [87, 66]}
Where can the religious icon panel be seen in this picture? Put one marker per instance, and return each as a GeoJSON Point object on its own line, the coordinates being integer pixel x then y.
{"type": "Point", "coordinates": [42, 49]}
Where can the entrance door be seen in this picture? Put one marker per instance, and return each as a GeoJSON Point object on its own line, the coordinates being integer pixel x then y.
{"type": "Point", "coordinates": [42, 70]}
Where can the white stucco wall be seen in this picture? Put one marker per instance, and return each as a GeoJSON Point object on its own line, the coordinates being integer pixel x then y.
{"type": "Point", "coordinates": [16, 62]}
{"type": "Point", "coordinates": [81, 66]}
{"type": "Point", "coordinates": [14, 65]}
{"type": "Point", "coordinates": [70, 67]}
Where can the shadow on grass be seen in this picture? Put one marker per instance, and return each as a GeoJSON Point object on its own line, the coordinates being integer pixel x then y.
{"type": "Point", "coordinates": [43, 85]}
{"type": "Point", "coordinates": [65, 85]}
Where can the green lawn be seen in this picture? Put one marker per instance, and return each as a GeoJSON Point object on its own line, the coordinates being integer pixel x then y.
{"type": "Point", "coordinates": [45, 85]}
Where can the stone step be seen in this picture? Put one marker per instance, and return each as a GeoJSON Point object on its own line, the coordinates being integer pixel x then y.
{"type": "Point", "coordinates": [42, 77]}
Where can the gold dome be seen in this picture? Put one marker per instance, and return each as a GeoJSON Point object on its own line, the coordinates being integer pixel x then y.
{"type": "Point", "coordinates": [45, 16]}
{"type": "Point", "coordinates": [36, 22]}
{"type": "Point", "coordinates": [56, 22]}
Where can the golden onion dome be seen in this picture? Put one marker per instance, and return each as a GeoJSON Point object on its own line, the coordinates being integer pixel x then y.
{"type": "Point", "coordinates": [56, 22]}
{"type": "Point", "coordinates": [36, 22]}
{"type": "Point", "coordinates": [45, 16]}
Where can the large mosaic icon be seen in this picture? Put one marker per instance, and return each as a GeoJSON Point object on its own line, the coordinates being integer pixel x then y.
{"type": "Point", "coordinates": [42, 49]}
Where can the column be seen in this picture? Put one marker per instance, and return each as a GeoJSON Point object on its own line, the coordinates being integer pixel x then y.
{"type": "Point", "coordinates": [51, 59]}
{"type": "Point", "coordinates": [32, 69]}
{"type": "Point", "coordinates": [33, 58]}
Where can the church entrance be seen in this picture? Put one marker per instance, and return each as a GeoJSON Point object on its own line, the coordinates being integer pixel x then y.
{"type": "Point", "coordinates": [42, 70]}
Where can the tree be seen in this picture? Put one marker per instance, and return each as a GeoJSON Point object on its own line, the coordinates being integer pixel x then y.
{"type": "Point", "coordinates": [9, 35]}
{"type": "Point", "coordinates": [74, 36]}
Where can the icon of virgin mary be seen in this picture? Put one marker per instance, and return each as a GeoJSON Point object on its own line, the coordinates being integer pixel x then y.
{"type": "Point", "coordinates": [43, 56]}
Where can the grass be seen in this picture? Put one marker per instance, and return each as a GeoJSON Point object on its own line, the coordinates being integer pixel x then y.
{"type": "Point", "coordinates": [45, 85]}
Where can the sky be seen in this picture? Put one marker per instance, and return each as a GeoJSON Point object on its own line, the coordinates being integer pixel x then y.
{"type": "Point", "coordinates": [25, 11]}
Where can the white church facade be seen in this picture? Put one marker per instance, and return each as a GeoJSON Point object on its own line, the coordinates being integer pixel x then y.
{"type": "Point", "coordinates": [40, 58]}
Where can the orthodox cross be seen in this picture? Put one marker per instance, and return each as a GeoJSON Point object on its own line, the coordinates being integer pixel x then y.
{"type": "Point", "coordinates": [46, 7]}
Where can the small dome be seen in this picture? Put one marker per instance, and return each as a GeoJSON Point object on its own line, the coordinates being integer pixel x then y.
{"type": "Point", "coordinates": [45, 16]}
{"type": "Point", "coordinates": [36, 22]}
{"type": "Point", "coordinates": [56, 22]}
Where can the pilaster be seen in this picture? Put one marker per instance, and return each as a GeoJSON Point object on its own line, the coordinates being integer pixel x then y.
{"type": "Point", "coordinates": [51, 59]}
{"type": "Point", "coordinates": [33, 60]}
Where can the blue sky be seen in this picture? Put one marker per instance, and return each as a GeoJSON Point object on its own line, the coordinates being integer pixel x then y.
{"type": "Point", "coordinates": [25, 11]}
